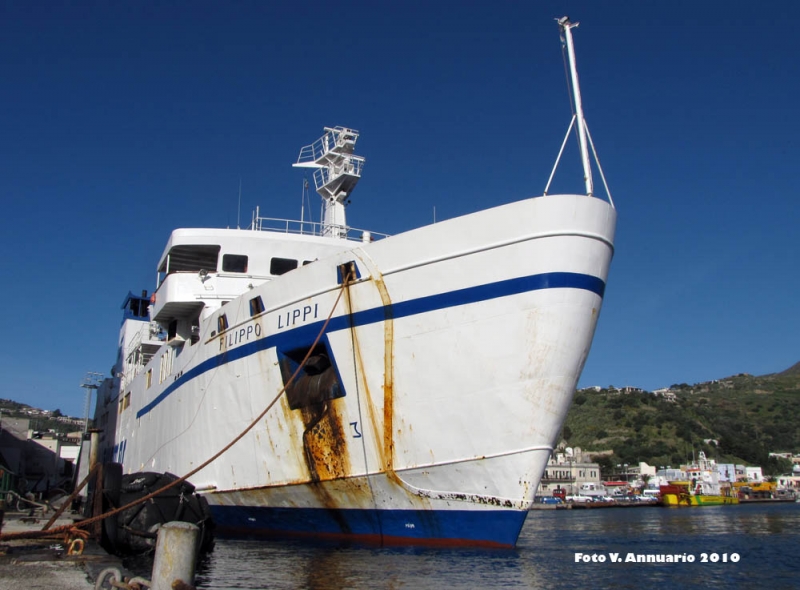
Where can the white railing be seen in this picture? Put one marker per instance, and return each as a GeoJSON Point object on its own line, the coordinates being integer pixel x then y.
{"type": "Point", "coordinates": [351, 165]}
{"type": "Point", "coordinates": [339, 137]}
{"type": "Point", "coordinates": [311, 228]}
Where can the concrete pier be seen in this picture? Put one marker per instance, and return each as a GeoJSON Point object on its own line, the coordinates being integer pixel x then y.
{"type": "Point", "coordinates": [43, 564]}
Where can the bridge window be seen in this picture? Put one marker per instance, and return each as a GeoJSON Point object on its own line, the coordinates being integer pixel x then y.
{"type": "Point", "coordinates": [222, 323]}
{"type": "Point", "coordinates": [279, 266]}
{"type": "Point", "coordinates": [234, 263]}
{"type": "Point", "coordinates": [192, 258]}
{"type": "Point", "coordinates": [138, 307]}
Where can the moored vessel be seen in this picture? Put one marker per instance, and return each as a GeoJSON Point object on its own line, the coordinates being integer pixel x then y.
{"type": "Point", "coordinates": [403, 389]}
{"type": "Point", "coordinates": [701, 488]}
{"type": "Point", "coordinates": [681, 493]}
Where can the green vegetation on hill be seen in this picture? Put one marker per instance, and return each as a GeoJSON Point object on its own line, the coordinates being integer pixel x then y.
{"type": "Point", "coordinates": [39, 421]}
{"type": "Point", "coordinates": [739, 419]}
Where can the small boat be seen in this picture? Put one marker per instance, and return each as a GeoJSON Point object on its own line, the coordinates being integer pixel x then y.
{"type": "Point", "coordinates": [702, 489]}
{"type": "Point", "coordinates": [681, 493]}
{"type": "Point", "coordinates": [404, 389]}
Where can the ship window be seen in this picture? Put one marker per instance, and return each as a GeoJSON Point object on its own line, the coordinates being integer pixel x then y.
{"type": "Point", "coordinates": [256, 306]}
{"type": "Point", "coordinates": [127, 401]}
{"type": "Point", "coordinates": [148, 381]}
{"type": "Point", "coordinates": [166, 365]}
{"type": "Point", "coordinates": [222, 323]}
{"type": "Point", "coordinates": [192, 258]}
{"type": "Point", "coordinates": [279, 266]}
{"type": "Point", "coordinates": [234, 263]}
{"type": "Point", "coordinates": [138, 307]}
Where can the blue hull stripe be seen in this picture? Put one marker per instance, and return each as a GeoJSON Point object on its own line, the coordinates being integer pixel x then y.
{"type": "Point", "coordinates": [442, 527]}
{"type": "Point", "coordinates": [304, 335]}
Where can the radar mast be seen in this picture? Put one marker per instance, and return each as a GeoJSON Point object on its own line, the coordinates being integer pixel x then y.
{"type": "Point", "coordinates": [337, 171]}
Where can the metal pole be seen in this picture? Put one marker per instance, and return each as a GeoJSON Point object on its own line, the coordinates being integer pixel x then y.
{"type": "Point", "coordinates": [566, 27]}
{"type": "Point", "coordinates": [176, 555]}
{"type": "Point", "coordinates": [94, 448]}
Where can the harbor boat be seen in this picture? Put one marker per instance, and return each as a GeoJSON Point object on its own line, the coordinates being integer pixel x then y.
{"type": "Point", "coordinates": [703, 487]}
{"type": "Point", "coordinates": [681, 493]}
{"type": "Point", "coordinates": [403, 389]}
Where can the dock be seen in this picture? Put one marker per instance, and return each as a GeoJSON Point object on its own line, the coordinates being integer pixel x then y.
{"type": "Point", "coordinates": [593, 505]}
{"type": "Point", "coordinates": [45, 563]}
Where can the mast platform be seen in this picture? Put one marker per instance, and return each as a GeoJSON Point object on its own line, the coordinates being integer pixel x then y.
{"type": "Point", "coordinates": [337, 171]}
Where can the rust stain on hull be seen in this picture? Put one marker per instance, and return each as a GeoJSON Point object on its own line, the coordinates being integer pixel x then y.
{"type": "Point", "coordinates": [325, 450]}
{"type": "Point", "coordinates": [386, 450]}
{"type": "Point", "coordinates": [324, 443]}
{"type": "Point", "coordinates": [326, 428]}
{"type": "Point", "coordinates": [388, 378]}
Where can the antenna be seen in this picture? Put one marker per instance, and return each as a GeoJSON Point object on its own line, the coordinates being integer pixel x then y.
{"type": "Point", "coordinates": [303, 204]}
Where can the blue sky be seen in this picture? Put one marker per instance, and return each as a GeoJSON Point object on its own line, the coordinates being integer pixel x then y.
{"type": "Point", "coordinates": [120, 121]}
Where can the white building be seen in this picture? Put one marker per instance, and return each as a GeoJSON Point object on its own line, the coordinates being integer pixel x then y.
{"type": "Point", "coordinates": [753, 474]}
{"type": "Point", "coordinates": [727, 472]}
{"type": "Point", "coordinates": [569, 469]}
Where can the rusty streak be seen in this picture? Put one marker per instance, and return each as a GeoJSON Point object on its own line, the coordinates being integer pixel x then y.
{"type": "Point", "coordinates": [388, 377]}
{"type": "Point", "coordinates": [324, 442]}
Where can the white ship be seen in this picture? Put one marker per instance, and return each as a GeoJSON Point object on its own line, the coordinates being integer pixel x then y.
{"type": "Point", "coordinates": [429, 405]}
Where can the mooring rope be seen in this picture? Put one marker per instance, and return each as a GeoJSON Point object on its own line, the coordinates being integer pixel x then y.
{"type": "Point", "coordinates": [71, 527]}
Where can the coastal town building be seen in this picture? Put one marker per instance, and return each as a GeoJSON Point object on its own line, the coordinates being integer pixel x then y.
{"type": "Point", "coordinates": [570, 470]}
{"type": "Point", "coordinates": [788, 482]}
{"type": "Point", "coordinates": [728, 472]}
{"type": "Point", "coordinates": [667, 394]}
{"type": "Point", "coordinates": [36, 461]}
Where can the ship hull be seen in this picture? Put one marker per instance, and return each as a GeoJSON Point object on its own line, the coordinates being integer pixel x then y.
{"type": "Point", "coordinates": [697, 500]}
{"type": "Point", "coordinates": [453, 351]}
{"type": "Point", "coordinates": [487, 528]}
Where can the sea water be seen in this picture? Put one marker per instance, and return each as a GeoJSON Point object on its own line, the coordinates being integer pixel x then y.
{"type": "Point", "coordinates": [753, 545]}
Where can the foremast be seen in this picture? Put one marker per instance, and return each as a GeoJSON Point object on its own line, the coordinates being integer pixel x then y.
{"type": "Point", "coordinates": [578, 119]}
{"type": "Point", "coordinates": [337, 171]}
{"type": "Point", "coordinates": [566, 30]}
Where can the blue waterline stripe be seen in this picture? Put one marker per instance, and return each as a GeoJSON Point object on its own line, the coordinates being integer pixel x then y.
{"type": "Point", "coordinates": [304, 335]}
{"type": "Point", "coordinates": [445, 527]}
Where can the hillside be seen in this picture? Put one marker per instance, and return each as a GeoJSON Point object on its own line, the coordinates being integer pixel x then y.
{"type": "Point", "coordinates": [40, 420]}
{"type": "Point", "coordinates": [738, 419]}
